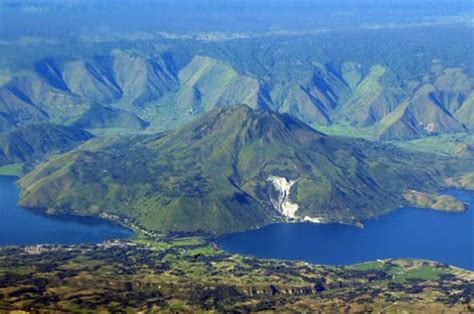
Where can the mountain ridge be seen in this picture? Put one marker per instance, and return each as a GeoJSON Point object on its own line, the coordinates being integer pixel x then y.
{"type": "Point", "coordinates": [166, 90]}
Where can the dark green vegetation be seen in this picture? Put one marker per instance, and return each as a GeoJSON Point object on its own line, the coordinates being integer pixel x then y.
{"type": "Point", "coordinates": [191, 274]}
{"type": "Point", "coordinates": [212, 175]}
{"type": "Point", "coordinates": [32, 142]}
{"type": "Point", "coordinates": [408, 87]}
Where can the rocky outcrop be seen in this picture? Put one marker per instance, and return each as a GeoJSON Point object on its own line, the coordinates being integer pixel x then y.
{"type": "Point", "coordinates": [283, 204]}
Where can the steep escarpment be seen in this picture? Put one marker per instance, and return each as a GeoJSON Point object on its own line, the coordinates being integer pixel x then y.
{"type": "Point", "coordinates": [213, 175]}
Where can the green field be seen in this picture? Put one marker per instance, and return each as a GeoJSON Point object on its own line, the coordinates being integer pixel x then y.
{"type": "Point", "coordinates": [15, 170]}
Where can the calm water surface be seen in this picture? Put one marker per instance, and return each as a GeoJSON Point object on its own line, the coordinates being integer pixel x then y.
{"type": "Point", "coordinates": [22, 226]}
{"type": "Point", "coordinates": [408, 232]}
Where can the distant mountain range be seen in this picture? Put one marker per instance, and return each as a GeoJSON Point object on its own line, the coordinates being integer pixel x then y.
{"type": "Point", "coordinates": [232, 169]}
{"type": "Point", "coordinates": [132, 89]}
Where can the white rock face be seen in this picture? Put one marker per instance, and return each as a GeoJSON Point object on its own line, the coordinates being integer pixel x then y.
{"type": "Point", "coordinates": [315, 220]}
{"type": "Point", "coordinates": [430, 127]}
{"type": "Point", "coordinates": [283, 204]}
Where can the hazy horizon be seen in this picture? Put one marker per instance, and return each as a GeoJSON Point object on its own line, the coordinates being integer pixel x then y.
{"type": "Point", "coordinates": [63, 18]}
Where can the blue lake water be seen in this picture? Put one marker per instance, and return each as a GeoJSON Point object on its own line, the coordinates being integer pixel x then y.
{"type": "Point", "coordinates": [19, 226]}
{"type": "Point", "coordinates": [409, 232]}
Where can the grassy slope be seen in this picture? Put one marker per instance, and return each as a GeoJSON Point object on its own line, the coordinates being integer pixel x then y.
{"type": "Point", "coordinates": [15, 170]}
{"type": "Point", "coordinates": [207, 82]}
{"type": "Point", "coordinates": [211, 175]}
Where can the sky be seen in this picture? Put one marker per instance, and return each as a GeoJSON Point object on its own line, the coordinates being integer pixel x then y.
{"type": "Point", "coordinates": [65, 17]}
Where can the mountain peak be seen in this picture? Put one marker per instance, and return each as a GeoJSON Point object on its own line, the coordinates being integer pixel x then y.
{"type": "Point", "coordinates": [247, 124]}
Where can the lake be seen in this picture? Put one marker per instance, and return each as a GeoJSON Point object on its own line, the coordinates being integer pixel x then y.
{"type": "Point", "coordinates": [19, 226]}
{"type": "Point", "coordinates": [409, 232]}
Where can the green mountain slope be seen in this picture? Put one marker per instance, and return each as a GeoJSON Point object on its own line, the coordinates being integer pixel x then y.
{"type": "Point", "coordinates": [453, 87]}
{"type": "Point", "coordinates": [142, 78]}
{"type": "Point", "coordinates": [373, 97]}
{"type": "Point", "coordinates": [232, 169]}
{"type": "Point", "coordinates": [313, 100]}
{"type": "Point", "coordinates": [33, 142]}
{"type": "Point", "coordinates": [206, 82]}
{"type": "Point", "coordinates": [422, 114]}
{"type": "Point", "coordinates": [17, 108]}
{"type": "Point", "coordinates": [91, 79]}
{"type": "Point", "coordinates": [465, 113]}
{"type": "Point", "coordinates": [61, 105]}
{"type": "Point", "coordinates": [29, 97]}
{"type": "Point", "coordinates": [106, 117]}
